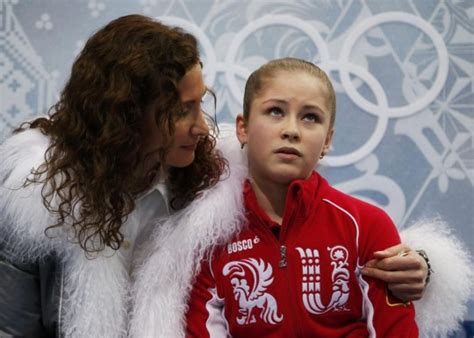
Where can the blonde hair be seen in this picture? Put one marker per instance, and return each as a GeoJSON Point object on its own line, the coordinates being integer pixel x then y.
{"type": "Point", "coordinates": [259, 77]}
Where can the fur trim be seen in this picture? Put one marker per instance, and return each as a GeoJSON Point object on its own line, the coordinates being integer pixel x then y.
{"type": "Point", "coordinates": [20, 206]}
{"type": "Point", "coordinates": [443, 305]}
{"type": "Point", "coordinates": [164, 281]}
{"type": "Point", "coordinates": [95, 294]}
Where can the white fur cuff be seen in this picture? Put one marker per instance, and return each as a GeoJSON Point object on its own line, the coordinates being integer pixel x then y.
{"type": "Point", "coordinates": [443, 305]}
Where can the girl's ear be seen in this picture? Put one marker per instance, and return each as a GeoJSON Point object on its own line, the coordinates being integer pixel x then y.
{"type": "Point", "coordinates": [328, 141]}
{"type": "Point", "coordinates": [241, 129]}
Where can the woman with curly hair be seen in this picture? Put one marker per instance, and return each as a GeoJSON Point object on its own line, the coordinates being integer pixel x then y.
{"type": "Point", "coordinates": [127, 144]}
{"type": "Point", "coordinates": [81, 187]}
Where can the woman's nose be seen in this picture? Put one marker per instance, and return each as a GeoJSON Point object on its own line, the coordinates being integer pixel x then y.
{"type": "Point", "coordinates": [200, 126]}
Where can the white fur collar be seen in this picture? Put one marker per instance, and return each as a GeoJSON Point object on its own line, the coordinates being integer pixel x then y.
{"type": "Point", "coordinates": [164, 280]}
{"type": "Point", "coordinates": [95, 293]}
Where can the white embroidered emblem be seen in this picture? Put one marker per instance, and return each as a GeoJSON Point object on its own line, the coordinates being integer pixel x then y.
{"type": "Point", "coordinates": [250, 279]}
{"type": "Point", "coordinates": [310, 262]}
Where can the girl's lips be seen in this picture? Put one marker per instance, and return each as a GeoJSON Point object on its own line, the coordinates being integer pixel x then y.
{"type": "Point", "coordinates": [288, 151]}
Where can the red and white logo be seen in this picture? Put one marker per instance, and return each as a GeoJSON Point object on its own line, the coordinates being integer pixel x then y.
{"type": "Point", "coordinates": [250, 279]}
{"type": "Point", "coordinates": [311, 283]}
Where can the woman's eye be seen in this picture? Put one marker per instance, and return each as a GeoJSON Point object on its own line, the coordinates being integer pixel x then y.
{"type": "Point", "coordinates": [182, 113]}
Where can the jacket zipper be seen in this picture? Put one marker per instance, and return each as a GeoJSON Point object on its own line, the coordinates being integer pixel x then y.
{"type": "Point", "coordinates": [283, 264]}
{"type": "Point", "coordinates": [290, 294]}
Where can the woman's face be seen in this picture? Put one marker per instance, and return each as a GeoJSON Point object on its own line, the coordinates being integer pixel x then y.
{"type": "Point", "coordinates": [190, 125]}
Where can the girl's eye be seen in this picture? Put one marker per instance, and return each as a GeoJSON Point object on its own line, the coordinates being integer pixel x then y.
{"type": "Point", "coordinates": [311, 117]}
{"type": "Point", "coordinates": [275, 111]}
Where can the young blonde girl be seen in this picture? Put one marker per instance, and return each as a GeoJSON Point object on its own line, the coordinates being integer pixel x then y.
{"type": "Point", "coordinates": [295, 268]}
{"type": "Point", "coordinates": [213, 222]}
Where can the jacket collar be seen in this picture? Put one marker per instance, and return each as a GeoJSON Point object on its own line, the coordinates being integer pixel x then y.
{"type": "Point", "coordinates": [301, 199]}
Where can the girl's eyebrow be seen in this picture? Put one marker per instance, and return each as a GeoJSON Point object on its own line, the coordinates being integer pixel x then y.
{"type": "Point", "coordinates": [282, 101]}
{"type": "Point", "coordinates": [276, 100]}
{"type": "Point", "coordinates": [311, 106]}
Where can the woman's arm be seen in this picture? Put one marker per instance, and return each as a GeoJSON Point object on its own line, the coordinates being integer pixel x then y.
{"type": "Point", "coordinates": [444, 299]}
{"type": "Point", "coordinates": [402, 268]}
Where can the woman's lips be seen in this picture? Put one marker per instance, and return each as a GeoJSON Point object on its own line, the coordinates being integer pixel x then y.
{"type": "Point", "coordinates": [190, 147]}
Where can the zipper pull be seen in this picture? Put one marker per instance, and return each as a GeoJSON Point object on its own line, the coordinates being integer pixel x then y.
{"type": "Point", "coordinates": [283, 262]}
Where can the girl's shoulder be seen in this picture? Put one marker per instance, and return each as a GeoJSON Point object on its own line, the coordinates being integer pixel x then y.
{"type": "Point", "coordinates": [356, 207]}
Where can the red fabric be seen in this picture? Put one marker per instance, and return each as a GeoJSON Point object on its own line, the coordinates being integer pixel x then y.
{"type": "Point", "coordinates": [345, 232]}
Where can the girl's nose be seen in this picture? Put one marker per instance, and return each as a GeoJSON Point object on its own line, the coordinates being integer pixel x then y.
{"type": "Point", "coordinates": [290, 130]}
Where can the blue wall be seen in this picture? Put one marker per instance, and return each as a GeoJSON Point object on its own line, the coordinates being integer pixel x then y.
{"type": "Point", "coordinates": [403, 72]}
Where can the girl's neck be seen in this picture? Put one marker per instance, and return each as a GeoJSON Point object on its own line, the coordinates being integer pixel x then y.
{"type": "Point", "coordinates": [271, 198]}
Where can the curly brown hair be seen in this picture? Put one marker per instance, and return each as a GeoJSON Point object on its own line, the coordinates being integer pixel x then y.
{"type": "Point", "coordinates": [95, 128]}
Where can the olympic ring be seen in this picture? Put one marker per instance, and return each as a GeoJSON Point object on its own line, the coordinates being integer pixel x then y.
{"type": "Point", "coordinates": [382, 122]}
{"type": "Point", "coordinates": [430, 95]}
{"type": "Point", "coordinates": [286, 20]}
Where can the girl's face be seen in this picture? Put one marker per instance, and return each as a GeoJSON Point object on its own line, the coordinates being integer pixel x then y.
{"type": "Point", "coordinates": [189, 126]}
{"type": "Point", "coordinates": [288, 127]}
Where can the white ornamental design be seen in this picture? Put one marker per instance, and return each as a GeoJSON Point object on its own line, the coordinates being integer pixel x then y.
{"type": "Point", "coordinates": [311, 280]}
{"type": "Point", "coordinates": [250, 279]}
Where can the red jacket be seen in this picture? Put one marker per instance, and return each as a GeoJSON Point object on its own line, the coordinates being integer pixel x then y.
{"type": "Point", "coordinates": [304, 281]}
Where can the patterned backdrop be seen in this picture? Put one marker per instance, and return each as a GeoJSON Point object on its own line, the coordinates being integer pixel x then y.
{"type": "Point", "coordinates": [403, 71]}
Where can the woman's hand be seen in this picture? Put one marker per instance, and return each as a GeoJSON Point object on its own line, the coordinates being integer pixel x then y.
{"type": "Point", "coordinates": [402, 268]}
